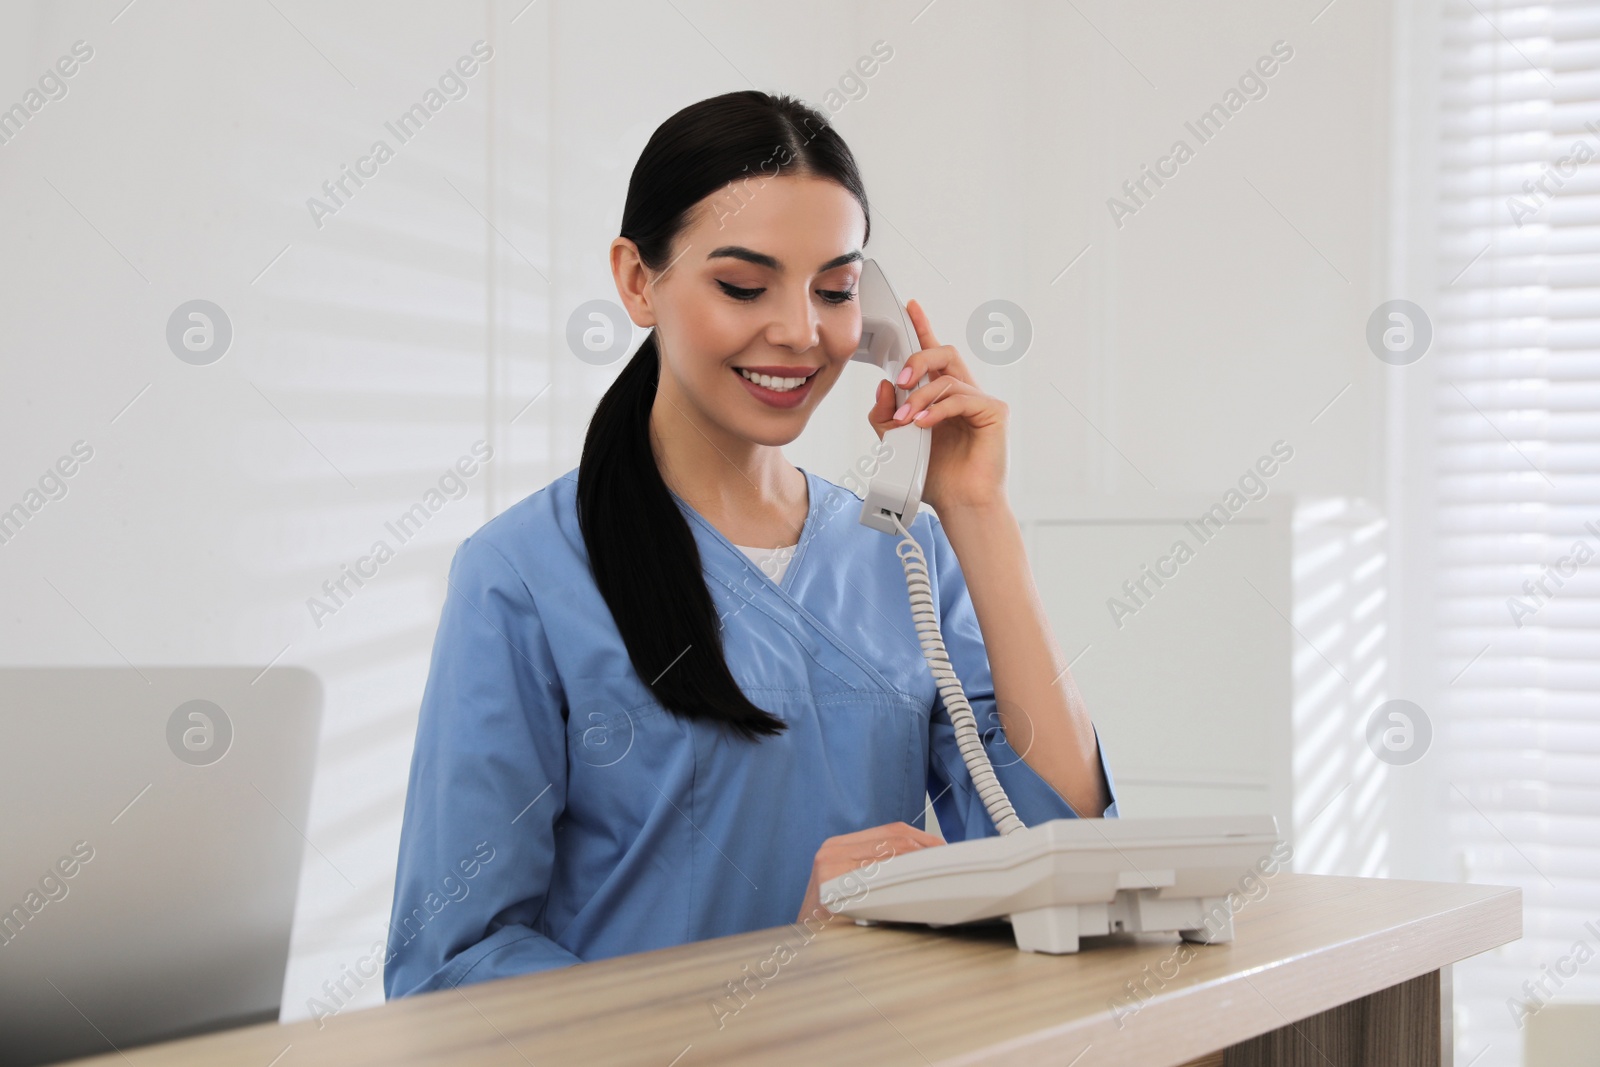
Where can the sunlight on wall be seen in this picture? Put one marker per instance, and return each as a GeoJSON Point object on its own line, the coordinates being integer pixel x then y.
{"type": "Point", "coordinates": [1339, 667]}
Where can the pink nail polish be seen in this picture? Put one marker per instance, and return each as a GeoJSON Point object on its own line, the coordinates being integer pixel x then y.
{"type": "Point", "coordinates": [898, 415]}
{"type": "Point", "coordinates": [905, 376]}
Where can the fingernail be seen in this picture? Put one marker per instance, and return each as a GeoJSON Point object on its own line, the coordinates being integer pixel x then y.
{"type": "Point", "coordinates": [898, 415]}
{"type": "Point", "coordinates": [905, 376]}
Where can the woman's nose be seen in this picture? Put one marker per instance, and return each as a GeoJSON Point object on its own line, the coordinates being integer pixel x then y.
{"type": "Point", "coordinates": [795, 325]}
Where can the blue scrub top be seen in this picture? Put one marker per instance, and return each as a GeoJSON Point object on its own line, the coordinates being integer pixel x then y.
{"type": "Point", "coordinates": [556, 813]}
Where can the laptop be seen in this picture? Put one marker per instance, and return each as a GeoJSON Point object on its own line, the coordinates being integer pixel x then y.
{"type": "Point", "coordinates": [150, 851]}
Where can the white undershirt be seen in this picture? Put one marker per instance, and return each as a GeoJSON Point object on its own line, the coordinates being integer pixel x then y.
{"type": "Point", "coordinates": [772, 561]}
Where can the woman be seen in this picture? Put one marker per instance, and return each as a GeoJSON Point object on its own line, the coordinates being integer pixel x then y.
{"type": "Point", "coordinates": [632, 735]}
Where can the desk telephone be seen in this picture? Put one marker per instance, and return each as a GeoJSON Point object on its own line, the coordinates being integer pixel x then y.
{"type": "Point", "coordinates": [1062, 879]}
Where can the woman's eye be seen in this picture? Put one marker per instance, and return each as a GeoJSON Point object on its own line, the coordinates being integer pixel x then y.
{"type": "Point", "coordinates": [832, 296]}
{"type": "Point", "coordinates": [738, 293]}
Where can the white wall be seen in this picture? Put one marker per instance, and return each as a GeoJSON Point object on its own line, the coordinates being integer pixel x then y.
{"type": "Point", "coordinates": [374, 350]}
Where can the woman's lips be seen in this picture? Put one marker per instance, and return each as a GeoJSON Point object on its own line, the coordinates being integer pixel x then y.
{"type": "Point", "coordinates": [788, 399]}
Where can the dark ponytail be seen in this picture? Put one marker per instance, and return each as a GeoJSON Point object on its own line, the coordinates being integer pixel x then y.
{"type": "Point", "coordinates": [643, 554]}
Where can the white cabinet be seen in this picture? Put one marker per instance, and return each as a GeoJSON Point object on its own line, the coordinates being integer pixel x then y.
{"type": "Point", "coordinates": [1189, 679]}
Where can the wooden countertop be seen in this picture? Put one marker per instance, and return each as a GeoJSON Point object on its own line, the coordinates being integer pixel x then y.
{"type": "Point", "coordinates": [903, 995]}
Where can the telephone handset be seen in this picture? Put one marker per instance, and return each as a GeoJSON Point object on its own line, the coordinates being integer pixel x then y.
{"type": "Point", "coordinates": [887, 341]}
{"type": "Point", "coordinates": [893, 495]}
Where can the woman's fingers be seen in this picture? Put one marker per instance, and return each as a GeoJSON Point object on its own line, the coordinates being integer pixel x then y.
{"type": "Point", "coordinates": [846, 853]}
{"type": "Point", "coordinates": [980, 409]}
{"type": "Point", "coordinates": [941, 362]}
{"type": "Point", "coordinates": [911, 831]}
{"type": "Point", "coordinates": [882, 414]}
{"type": "Point", "coordinates": [925, 396]}
{"type": "Point", "coordinates": [934, 360]}
{"type": "Point", "coordinates": [920, 323]}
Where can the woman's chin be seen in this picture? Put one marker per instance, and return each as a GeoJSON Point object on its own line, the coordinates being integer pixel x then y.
{"type": "Point", "coordinates": [775, 432]}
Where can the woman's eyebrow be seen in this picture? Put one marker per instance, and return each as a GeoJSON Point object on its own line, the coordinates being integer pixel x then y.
{"type": "Point", "coordinates": [761, 259]}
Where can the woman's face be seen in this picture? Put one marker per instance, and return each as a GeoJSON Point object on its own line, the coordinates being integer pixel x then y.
{"type": "Point", "coordinates": [762, 280]}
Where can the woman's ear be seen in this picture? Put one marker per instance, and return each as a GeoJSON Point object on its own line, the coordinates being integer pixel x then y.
{"type": "Point", "coordinates": [633, 281]}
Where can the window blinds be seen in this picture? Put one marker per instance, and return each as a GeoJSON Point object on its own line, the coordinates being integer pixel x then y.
{"type": "Point", "coordinates": [1516, 450]}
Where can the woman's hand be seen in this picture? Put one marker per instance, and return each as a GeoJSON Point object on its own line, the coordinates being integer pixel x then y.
{"type": "Point", "coordinates": [849, 852]}
{"type": "Point", "coordinates": [967, 460]}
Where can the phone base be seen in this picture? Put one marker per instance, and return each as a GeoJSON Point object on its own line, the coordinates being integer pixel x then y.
{"type": "Point", "coordinates": [1052, 930]}
{"type": "Point", "coordinates": [1056, 929]}
{"type": "Point", "coordinates": [1068, 879]}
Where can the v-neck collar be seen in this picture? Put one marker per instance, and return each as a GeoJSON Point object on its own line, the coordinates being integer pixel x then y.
{"type": "Point", "coordinates": [796, 619]}
{"type": "Point", "coordinates": [813, 504]}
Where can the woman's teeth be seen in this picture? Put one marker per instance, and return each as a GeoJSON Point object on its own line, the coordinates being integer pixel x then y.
{"type": "Point", "coordinates": [777, 385]}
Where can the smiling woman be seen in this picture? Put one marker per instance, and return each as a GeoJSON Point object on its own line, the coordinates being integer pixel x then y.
{"type": "Point", "coordinates": [672, 743]}
{"type": "Point", "coordinates": [753, 320]}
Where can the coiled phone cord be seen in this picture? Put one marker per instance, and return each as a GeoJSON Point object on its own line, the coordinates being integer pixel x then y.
{"type": "Point", "coordinates": [926, 618]}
